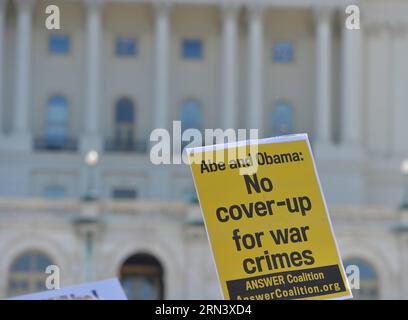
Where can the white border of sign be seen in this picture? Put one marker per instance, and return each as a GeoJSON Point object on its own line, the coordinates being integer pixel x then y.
{"type": "Point", "coordinates": [287, 138]}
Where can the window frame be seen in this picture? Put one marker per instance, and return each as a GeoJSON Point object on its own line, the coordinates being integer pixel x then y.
{"type": "Point", "coordinates": [32, 277]}
{"type": "Point", "coordinates": [149, 267]}
{"type": "Point", "coordinates": [200, 109]}
{"type": "Point", "coordinates": [115, 189]}
{"type": "Point", "coordinates": [121, 127]}
{"type": "Point", "coordinates": [64, 124]}
{"type": "Point", "coordinates": [371, 284]}
{"type": "Point", "coordinates": [290, 107]}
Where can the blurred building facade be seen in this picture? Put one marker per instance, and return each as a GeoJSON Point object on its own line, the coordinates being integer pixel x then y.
{"type": "Point", "coordinates": [116, 70]}
{"type": "Point", "coordinates": [160, 250]}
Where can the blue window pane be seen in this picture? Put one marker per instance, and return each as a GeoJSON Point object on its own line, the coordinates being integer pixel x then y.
{"type": "Point", "coordinates": [283, 52]}
{"type": "Point", "coordinates": [22, 264]}
{"type": "Point", "coordinates": [140, 288]}
{"type": "Point", "coordinates": [58, 44]}
{"type": "Point", "coordinates": [42, 262]}
{"type": "Point", "coordinates": [56, 132]}
{"type": "Point", "coordinates": [24, 285]}
{"type": "Point", "coordinates": [282, 120]}
{"type": "Point", "coordinates": [192, 49]}
{"type": "Point", "coordinates": [56, 137]}
{"type": "Point", "coordinates": [369, 287]}
{"type": "Point", "coordinates": [57, 122]}
{"type": "Point", "coordinates": [124, 111]}
{"type": "Point", "coordinates": [19, 285]}
{"type": "Point", "coordinates": [40, 285]}
{"type": "Point", "coordinates": [14, 284]}
{"type": "Point", "coordinates": [31, 262]}
{"type": "Point", "coordinates": [126, 46]}
{"type": "Point", "coordinates": [124, 193]}
{"type": "Point", "coordinates": [53, 192]}
{"type": "Point", "coordinates": [147, 289]}
{"type": "Point", "coordinates": [366, 271]}
{"type": "Point", "coordinates": [57, 110]}
{"type": "Point", "coordinates": [191, 115]}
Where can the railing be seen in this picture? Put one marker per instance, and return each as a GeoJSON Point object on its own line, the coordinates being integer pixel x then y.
{"type": "Point", "coordinates": [118, 145]}
{"type": "Point", "coordinates": [47, 143]}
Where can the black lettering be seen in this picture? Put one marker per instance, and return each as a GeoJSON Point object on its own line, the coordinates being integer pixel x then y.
{"type": "Point", "coordinates": [296, 259]}
{"type": "Point", "coordinates": [246, 268]}
{"type": "Point", "coordinates": [280, 236]}
{"type": "Point", "coordinates": [221, 218]}
{"type": "Point", "coordinates": [279, 260]}
{"type": "Point", "coordinates": [254, 183]}
{"type": "Point", "coordinates": [308, 256]}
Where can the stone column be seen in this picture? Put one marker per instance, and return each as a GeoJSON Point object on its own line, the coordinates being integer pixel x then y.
{"type": "Point", "coordinates": [255, 68]}
{"type": "Point", "coordinates": [92, 135]}
{"type": "Point", "coordinates": [161, 65]}
{"type": "Point", "coordinates": [399, 94]}
{"type": "Point", "coordinates": [229, 65]}
{"type": "Point", "coordinates": [324, 74]}
{"type": "Point", "coordinates": [351, 103]}
{"type": "Point", "coordinates": [2, 62]}
{"type": "Point", "coordinates": [22, 85]}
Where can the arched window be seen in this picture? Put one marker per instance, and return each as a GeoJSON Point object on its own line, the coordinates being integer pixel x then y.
{"type": "Point", "coordinates": [27, 273]}
{"type": "Point", "coordinates": [124, 124]}
{"type": "Point", "coordinates": [282, 119]}
{"type": "Point", "coordinates": [369, 288]}
{"type": "Point", "coordinates": [142, 277]}
{"type": "Point", "coordinates": [191, 115]}
{"type": "Point", "coordinates": [57, 122]}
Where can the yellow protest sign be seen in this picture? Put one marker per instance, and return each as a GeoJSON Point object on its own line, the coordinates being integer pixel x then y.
{"type": "Point", "coordinates": [267, 220]}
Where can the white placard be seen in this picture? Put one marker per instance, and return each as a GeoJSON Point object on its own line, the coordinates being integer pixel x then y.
{"type": "Point", "coordinates": [110, 289]}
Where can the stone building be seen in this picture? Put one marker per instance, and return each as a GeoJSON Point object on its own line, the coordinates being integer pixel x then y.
{"type": "Point", "coordinates": [160, 250]}
{"type": "Point", "coordinates": [117, 69]}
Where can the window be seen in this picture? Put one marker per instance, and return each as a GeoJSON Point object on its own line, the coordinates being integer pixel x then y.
{"type": "Point", "coordinates": [191, 116]}
{"type": "Point", "coordinates": [369, 288]}
{"type": "Point", "coordinates": [58, 44]}
{"type": "Point", "coordinates": [57, 122]}
{"type": "Point", "coordinates": [192, 49]}
{"type": "Point", "coordinates": [54, 191]}
{"type": "Point", "coordinates": [126, 47]}
{"type": "Point", "coordinates": [282, 119]}
{"type": "Point", "coordinates": [283, 52]}
{"type": "Point", "coordinates": [124, 193]}
{"type": "Point", "coordinates": [142, 277]}
{"type": "Point", "coordinates": [124, 124]}
{"type": "Point", "coordinates": [27, 273]}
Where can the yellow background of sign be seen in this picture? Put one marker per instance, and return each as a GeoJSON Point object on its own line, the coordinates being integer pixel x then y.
{"type": "Point", "coordinates": [225, 188]}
